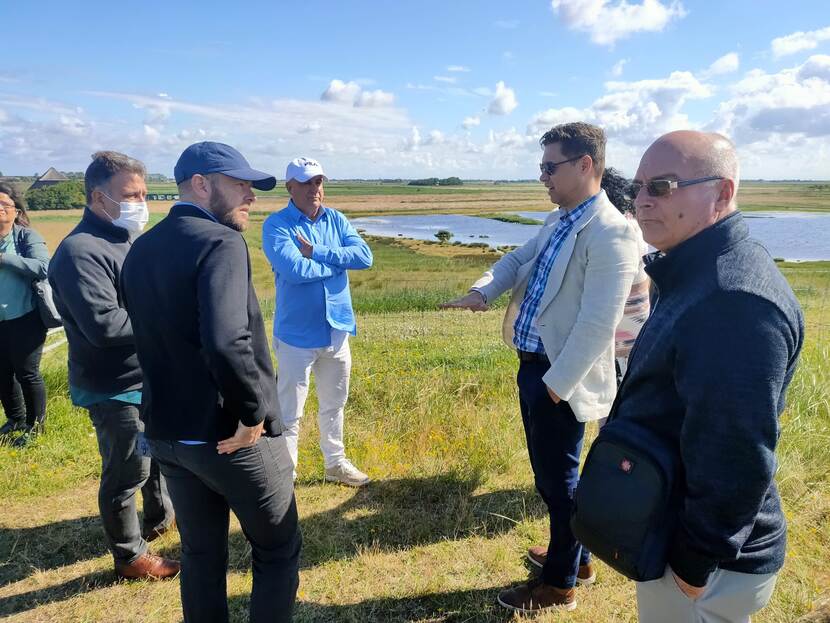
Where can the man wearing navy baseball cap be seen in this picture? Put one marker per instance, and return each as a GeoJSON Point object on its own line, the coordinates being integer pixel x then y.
{"type": "Point", "coordinates": [311, 246]}
{"type": "Point", "coordinates": [210, 402]}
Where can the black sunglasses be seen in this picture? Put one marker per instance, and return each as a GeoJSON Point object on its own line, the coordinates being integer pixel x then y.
{"type": "Point", "coordinates": [550, 167]}
{"type": "Point", "coordinates": [664, 188]}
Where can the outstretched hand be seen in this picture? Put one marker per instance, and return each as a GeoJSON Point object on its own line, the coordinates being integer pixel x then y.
{"type": "Point", "coordinates": [474, 301]}
{"type": "Point", "coordinates": [245, 437]}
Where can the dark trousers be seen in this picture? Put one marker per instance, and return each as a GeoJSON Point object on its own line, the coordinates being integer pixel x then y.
{"type": "Point", "coordinates": [22, 390]}
{"type": "Point", "coordinates": [124, 470]}
{"type": "Point", "coordinates": [554, 441]}
{"type": "Point", "coordinates": [257, 484]}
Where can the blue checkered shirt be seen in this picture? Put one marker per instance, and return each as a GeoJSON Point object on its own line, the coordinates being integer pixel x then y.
{"type": "Point", "coordinates": [525, 333]}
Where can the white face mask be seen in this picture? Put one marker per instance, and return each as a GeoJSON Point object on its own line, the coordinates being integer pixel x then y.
{"type": "Point", "coordinates": [134, 215]}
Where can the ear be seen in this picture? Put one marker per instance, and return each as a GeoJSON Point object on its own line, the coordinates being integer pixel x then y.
{"type": "Point", "coordinates": [726, 194]}
{"type": "Point", "coordinates": [97, 199]}
{"type": "Point", "coordinates": [587, 164]}
{"type": "Point", "coordinates": [199, 185]}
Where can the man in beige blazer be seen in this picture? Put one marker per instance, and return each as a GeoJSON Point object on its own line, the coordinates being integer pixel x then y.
{"type": "Point", "coordinates": [569, 285]}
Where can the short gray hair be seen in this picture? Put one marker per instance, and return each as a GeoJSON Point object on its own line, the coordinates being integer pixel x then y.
{"type": "Point", "coordinates": [105, 165]}
{"type": "Point", "coordinates": [720, 159]}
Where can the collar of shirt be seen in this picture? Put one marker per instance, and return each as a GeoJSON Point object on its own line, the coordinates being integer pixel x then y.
{"type": "Point", "coordinates": [569, 218]}
{"type": "Point", "coordinates": [298, 215]}
{"type": "Point", "coordinates": [187, 203]}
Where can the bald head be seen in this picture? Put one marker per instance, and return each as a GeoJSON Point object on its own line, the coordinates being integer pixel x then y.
{"type": "Point", "coordinates": [705, 167]}
{"type": "Point", "coordinates": [701, 154]}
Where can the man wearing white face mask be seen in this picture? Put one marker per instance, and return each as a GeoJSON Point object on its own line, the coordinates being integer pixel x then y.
{"type": "Point", "coordinates": [104, 374]}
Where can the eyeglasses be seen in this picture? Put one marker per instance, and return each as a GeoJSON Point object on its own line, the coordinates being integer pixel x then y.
{"type": "Point", "coordinates": [550, 167]}
{"type": "Point", "coordinates": [664, 188]}
{"type": "Point", "coordinates": [7, 208]}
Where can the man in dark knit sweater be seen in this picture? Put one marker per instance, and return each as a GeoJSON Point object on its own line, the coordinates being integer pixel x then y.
{"type": "Point", "coordinates": [706, 383]}
{"type": "Point", "coordinates": [104, 375]}
{"type": "Point", "coordinates": [210, 401]}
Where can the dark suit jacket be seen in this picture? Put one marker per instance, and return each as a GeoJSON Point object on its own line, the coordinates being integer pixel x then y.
{"type": "Point", "coordinates": [198, 330]}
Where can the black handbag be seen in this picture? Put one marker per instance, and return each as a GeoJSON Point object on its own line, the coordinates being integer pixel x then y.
{"type": "Point", "coordinates": [49, 315]}
{"type": "Point", "coordinates": [623, 508]}
{"type": "Point", "coordinates": [42, 292]}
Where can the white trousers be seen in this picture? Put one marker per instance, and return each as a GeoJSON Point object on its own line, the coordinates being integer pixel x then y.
{"type": "Point", "coordinates": [730, 597]}
{"type": "Point", "coordinates": [331, 366]}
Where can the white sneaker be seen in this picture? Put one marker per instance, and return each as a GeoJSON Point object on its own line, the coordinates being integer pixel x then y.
{"type": "Point", "coordinates": [347, 474]}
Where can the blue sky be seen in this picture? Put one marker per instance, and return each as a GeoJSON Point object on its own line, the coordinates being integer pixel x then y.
{"type": "Point", "coordinates": [429, 88]}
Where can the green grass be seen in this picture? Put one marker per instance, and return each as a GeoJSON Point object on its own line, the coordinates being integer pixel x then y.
{"type": "Point", "coordinates": [512, 218]}
{"type": "Point", "coordinates": [339, 189]}
{"type": "Point", "coordinates": [433, 418]}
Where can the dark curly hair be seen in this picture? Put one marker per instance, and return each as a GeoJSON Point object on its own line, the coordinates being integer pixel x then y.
{"type": "Point", "coordinates": [615, 185]}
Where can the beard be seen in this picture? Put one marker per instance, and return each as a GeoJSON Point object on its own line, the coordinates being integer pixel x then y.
{"type": "Point", "coordinates": [226, 213]}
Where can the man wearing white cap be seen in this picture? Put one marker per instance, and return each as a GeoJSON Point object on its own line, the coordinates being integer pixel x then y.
{"type": "Point", "coordinates": [310, 247]}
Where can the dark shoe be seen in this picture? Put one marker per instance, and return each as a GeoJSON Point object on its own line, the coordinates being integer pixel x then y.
{"type": "Point", "coordinates": [585, 576]}
{"type": "Point", "coordinates": [154, 533]}
{"type": "Point", "coordinates": [149, 567]}
{"type": "Point", "coordinates": [12, 426]}
{"type": "Point", "coordinates": [28, 436]}
{"type": "Point", "coordinates": [535, 596]}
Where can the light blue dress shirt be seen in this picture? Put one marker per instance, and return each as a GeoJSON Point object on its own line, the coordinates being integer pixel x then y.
{"type": "Point", "coordinates": [313, 293]}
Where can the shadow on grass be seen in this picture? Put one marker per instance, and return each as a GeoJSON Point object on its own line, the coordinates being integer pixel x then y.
{"type": "Point", "coordinates": [23, 550]}
{"type": "Point", "coordinates": [391, 515]}
{"type": "Point", "coordinates": [477, 606]}
{"type": "Point", "coordinates": [69, 588]}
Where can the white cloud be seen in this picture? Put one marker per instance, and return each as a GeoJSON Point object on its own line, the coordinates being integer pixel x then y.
{"type": "Point", "coordinates": [446, 79]}
{"type": "Point", "coordinates": [764, 107]}
{"type": "Point", "coordinates": [375, 99]}
{"type": "Point", "coordinates": [435, 137]}
{"type": "Point", "coordinates": [458, 68]}
{"type": "Point", "coordinates": [413, 142]}
{"type": "Point", "coordinates": [339, 91]}
{"type": "Point", "coordinates": [608, 21]}
{"type": "Point", "coordinates": [779, 120]}
{"type": "Point", "coordinates": [504, 102]}
{"type": "Point", "coordinates": [799, 42]}
{"type": "Point", "coordinates": [726, 64]}
{"type": "Point", "coordinates": [636, 112]}
{"type": "Point", "coordinates": [617, 69]}
{"type": "Point", "coordinates": [352, 93]}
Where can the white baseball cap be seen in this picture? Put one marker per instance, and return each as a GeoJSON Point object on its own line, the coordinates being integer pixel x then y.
{"type": "Point", "coordinates": [303, 169]}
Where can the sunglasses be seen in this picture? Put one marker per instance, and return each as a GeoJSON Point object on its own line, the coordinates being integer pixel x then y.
{"type": "Point", "coordinates": [550, 167]}
{"type": "Point", "coordinates": [664, 188]}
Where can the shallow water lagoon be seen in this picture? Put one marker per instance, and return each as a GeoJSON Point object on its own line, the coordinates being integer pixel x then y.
{"type": "Point", "coordinates": [788, 235]}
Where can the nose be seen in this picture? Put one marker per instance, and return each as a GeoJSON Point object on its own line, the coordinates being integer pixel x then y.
{"type": "Point", "coordinates": [642, 200]}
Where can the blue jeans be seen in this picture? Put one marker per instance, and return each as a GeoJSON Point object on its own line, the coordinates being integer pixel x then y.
{"type": "Point", "coordinates": [554, 442]}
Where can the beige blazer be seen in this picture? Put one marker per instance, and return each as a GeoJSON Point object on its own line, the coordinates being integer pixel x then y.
{"type": "Point", "coordinates": [583, 301]}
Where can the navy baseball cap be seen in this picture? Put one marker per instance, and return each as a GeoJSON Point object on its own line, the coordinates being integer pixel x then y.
{"type": "Point", "coordinates": [209, 157]}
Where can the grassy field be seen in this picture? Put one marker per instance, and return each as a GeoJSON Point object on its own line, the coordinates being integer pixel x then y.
{"type": "Point", "coordinates": [433, 418]}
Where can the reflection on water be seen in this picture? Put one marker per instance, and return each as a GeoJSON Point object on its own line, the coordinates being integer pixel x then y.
{"type": "Point", "coordinates": [788, 235]}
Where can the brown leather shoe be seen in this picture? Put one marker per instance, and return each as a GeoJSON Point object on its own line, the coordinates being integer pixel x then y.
{"type": "Point", "coordinates": [585, 576]}
{"type": "Point", "coordinates": [153, 534]}
{"type": "Point", "coordinates": [149, 567]}
{"type": "Point", "coordinates": [535, 596]}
